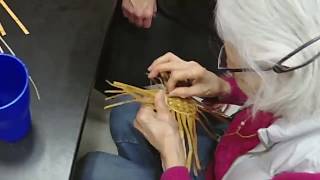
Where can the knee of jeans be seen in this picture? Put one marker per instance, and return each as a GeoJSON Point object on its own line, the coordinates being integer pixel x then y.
{"type": "Point", "coordinates": [121, 122]}
{"type": "Point", "coordinates": [96, 157]}
{"type": "Point", "coordinates": [104, 166]}
{"type": "Point", "coordinates": [85, 167]}
{"type": "Point", "coordinates": [92, 166]}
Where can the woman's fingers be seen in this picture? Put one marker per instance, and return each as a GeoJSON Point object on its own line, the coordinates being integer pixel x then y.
{"type": "Point", "coordinates": [146, 18]}
{"type": "Point", "coordinates": [163, 112]}
{"type": "Point", "coordinates": [138, 126]}
{"type": "Point", "coordinates": [198, 79]}
{"type": "Point", "coordinates": [179, 72]}
{"type": "Point", "coordinates": [125, 13]}
{"type": "Point", "coordinates": [155, 9]}
{"type": "Point", "coordinates": [147, 22]}
{"type": "Point", "coordinates": [165, 67]}
{"type": "Point", "coordinates": [125, 7]}
{"type": "Point", "coordinates": [163, 59]}
{"type": "Point", "coordinates": [178, 76]}
{"type": "Point", "coordinates": [145, 114]}
{"type": "Point", "coordinates": [139, 12]}
{"type": "Point", "coordinates": [185, 92]}
{"type": "Point", "coordinates": [139, 22]}
{"type": "Point", "coordinates": [131, 17]}
{"type": "Point", "coordinates": [128, 10]}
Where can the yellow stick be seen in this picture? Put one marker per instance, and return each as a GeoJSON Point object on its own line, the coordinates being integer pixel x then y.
{"type": "Point", "coordinates": [119, 104]}
{"type": "Point", "coordinates": [193, 132]}
{"type": "Point", "coordinates": [181, 132]}
{"type": "Point", "coordinates": [14, 17]}
{"type": "Point", "coordinates": [190, 149]}
{"type": "Point", "coordinates": [115, 96]}
{"type": "Point", "coordinates": [114, 91]}
{"type": "Point", "coordinates": [2, 31]}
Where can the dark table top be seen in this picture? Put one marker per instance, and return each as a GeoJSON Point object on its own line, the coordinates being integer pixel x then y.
{"type": "Point", "coordinates": [62, 55]}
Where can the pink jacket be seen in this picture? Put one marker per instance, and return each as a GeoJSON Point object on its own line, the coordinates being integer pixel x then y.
{"type": "Point", "coordinates": [226, 153]}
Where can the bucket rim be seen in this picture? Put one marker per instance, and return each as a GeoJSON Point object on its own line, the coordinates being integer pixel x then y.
{"type": "Point", "coordinates": [26, 82]}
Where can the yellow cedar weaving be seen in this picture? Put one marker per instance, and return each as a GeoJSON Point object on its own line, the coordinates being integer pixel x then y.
{"type": "Point", "coordinates": [185, 111]}
{"type": "Point", "coordinates": [14, 17]}
{"type": "Point", "coordinates": [2, 31]}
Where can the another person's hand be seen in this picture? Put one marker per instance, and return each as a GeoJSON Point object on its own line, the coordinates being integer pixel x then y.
{"type": "Point", "coordinates": [139, 12]}
{"type": "Point", "coordinates": [203, 83]}
{"type": "Point", "coordinates": [161, 130]}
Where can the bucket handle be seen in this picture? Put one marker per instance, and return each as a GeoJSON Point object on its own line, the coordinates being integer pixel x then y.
{"type": "Point", "coordinates": [12, 53]}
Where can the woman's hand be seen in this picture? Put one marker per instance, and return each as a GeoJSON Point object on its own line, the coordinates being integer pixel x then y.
{"type": "Point", "coordinates": [203, 82]}
{"type": "Point", "coordinates": [161, 130]}
{"type": "Point", "coordinates": [139, 12]}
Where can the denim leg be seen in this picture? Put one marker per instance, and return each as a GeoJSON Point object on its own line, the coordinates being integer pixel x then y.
{"type": "Point", "coordinates": [104, 166]}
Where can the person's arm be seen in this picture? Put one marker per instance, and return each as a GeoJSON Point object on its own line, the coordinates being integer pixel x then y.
{"type": "Point", "coordinates": [297, 176]}
{"type": "Point", "coordinates": [161, 130]}
{"type": "Point", "coordinates": [174, 173]}
{"type": "Point", "coordinates": [235, 96]}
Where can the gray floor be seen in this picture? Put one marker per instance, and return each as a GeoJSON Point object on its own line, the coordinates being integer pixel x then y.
{"type": "Point", "coordinates": [96, 135]}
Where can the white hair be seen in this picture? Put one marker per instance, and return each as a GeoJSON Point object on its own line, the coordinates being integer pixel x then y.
{"type": "Point", "coordinates": [264, 31]}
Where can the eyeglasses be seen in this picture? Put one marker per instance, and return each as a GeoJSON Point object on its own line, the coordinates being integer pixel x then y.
{"type": "Point", "coordinates": [278, 67]}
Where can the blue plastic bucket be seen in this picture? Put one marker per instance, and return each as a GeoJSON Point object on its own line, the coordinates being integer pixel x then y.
{"type": "Point", "coordinates": [15, 120]}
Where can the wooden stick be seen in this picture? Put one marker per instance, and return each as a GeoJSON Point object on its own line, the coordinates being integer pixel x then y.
{"type": "Point", "coordinates": [115, 96]}
{"type": "Point", "coordinates": [14, 17]}
{"type": "Point", "coordinates": [119, 104]}
{"type": "Point", "coordinates": [113, 91]}
{"type": "Point", "coordinates": [189, 143]}
{"type": "Point", "coordinates": [2, 31]}
{"type": "Point", "coordinates": [193, 130]}
{"type": "Point", "coordinates": [181, 132]}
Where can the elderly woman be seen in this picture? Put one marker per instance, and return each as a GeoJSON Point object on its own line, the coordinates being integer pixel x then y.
{"type": "Point", "coordinates": [272, 49]}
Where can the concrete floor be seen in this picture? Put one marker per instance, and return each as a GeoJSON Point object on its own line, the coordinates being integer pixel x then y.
{"type": "Point", "coordinates": [96, 135]}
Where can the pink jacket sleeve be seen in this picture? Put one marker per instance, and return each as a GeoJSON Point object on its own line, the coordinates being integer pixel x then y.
{"type": "Point", "coordinates": [297, 176]}
{"type": "Point", "coordinates": [175, 173]}
{"type": "Point", "coordinates": [236, 95]}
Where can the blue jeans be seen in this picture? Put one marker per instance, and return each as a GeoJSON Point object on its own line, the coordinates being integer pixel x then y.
{"type": "Point", "coordinates": [137, 158]}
